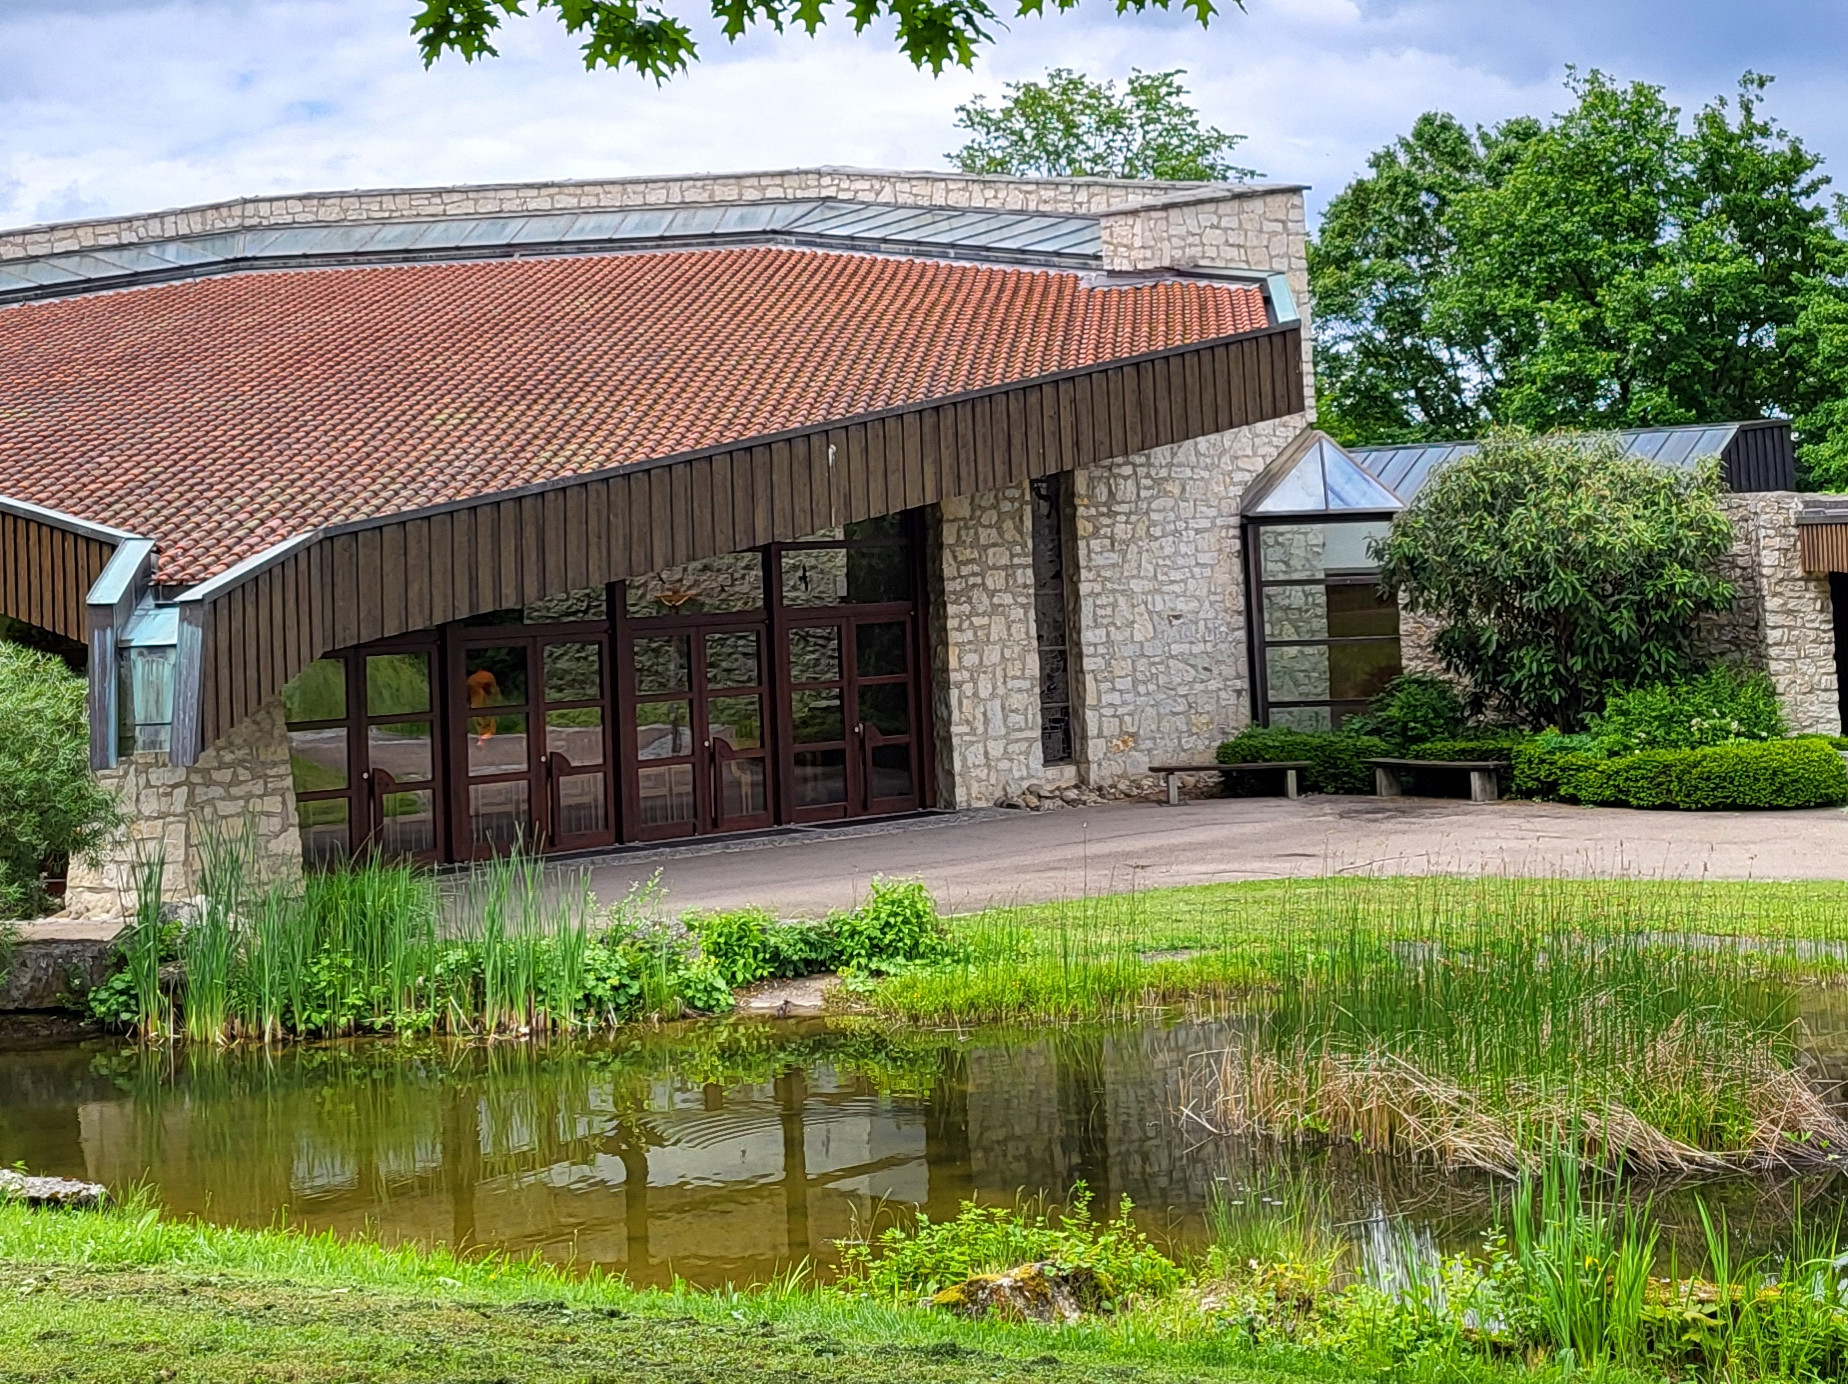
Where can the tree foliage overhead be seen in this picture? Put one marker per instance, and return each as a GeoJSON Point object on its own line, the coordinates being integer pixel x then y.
{"type": "Point", "coordinates": [1069, 126]}
{"type": "Point", "coordinates": [51, 807]}
{"type": "Point", "coordinates": [630, 33]}
{"type": "Point", "coordinates": [1559, 569]}
{"type": "Point", "coordinates": [1613, 266]}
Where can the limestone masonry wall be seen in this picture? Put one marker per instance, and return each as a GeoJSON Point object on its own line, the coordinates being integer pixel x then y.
{"type": "Point", "coordinates": [1782, 619]}
{"type": "Point", "coordinates": [987, 697]}
{"type": "Point", "coordinates": [244, 776]}
{"type": "Point", "coordinates": [1063, 196]}
{"type": "Point", "coordinates": [1161, 598]}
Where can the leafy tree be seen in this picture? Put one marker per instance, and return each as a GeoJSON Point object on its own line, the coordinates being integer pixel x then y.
{"type": "Point", "coordinates": [1071, 127]}
{"type": "Point", "coordinates": [51, 807]}
{"type": "Point", "coordinates": [1559, 569]}
{"type": "Point", "coordinates": [618, 33]}
{"type": "Point", "coordinates": [1610, 267]}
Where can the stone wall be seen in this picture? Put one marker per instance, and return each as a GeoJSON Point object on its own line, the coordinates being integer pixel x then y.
{"type": "Point", "coordinates": [987, 673]}
{"type": "Point", "coordinates": [1782, 619]}
{"type": "Point", "coordinates": [244, 777]}
{"type": "Point", "coordinates": [1059, 196]}
{"type": "Point", "coordinates": [1161, 598]}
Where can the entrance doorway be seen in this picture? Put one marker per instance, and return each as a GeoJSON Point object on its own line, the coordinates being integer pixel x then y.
{"type": "Point", "coordinates": [852, 716]}
{"type": "Point", "coordinates": [699, 753]}
{"type": "Point", "coordinates": [531, 718]}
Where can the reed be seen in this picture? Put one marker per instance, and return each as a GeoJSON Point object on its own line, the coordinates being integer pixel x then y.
{"type": "Point", "coordinates": [1480, 1045]}
{"type": "Point", "coordinates": [143, 945]}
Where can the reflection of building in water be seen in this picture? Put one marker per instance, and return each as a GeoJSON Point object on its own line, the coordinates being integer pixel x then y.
{"type": "Point", "coordinates": [658, 1178]}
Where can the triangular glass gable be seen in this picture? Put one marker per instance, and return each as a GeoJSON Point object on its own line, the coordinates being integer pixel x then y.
{"type": "Point", "coordinates": [1323, 480]}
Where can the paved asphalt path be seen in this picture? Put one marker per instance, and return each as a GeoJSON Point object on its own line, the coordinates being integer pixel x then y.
{"type": "Point", "coordinates": [973, 859]}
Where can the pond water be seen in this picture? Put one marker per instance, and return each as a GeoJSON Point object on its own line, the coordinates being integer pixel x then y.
{"type": "Point", "coordinates": [720, 1152]}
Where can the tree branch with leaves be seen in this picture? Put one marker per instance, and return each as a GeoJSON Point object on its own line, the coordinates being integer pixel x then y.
{"type": "Point", "coordinates": [657, 43]}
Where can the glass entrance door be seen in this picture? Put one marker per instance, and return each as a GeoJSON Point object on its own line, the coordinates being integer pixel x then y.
{"type": "Point", "coordinates": [852, 718]}
{"type": "Point", "coordinates": [699, 731]}
{"type": "Point", "coordinates": [534, 743]}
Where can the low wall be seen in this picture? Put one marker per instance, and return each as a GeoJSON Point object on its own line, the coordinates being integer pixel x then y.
{"type": "Point", "coordinates": [243, 778]}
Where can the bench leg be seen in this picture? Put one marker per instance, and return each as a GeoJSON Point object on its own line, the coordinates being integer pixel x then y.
{"type": "Point", "coordinates": [1482, 786]}
{"type": "Point", "coordinates": [1386, 782]}
{"type": "Point", "coordinates": [1290, 787]}
{"type": "Point", "coordinates": [1173, 784]}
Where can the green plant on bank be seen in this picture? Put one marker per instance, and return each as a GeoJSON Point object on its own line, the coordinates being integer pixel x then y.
{"type": "Point", "coordinates": [902, 1263]}
{"type": "Point", "coordinates": [372, 947]}
{"type": "Point", "coordinates": [747, 945]}
{"type": "Point", "coordinates": [52, 809]}
{"type": "Point", "coordinates": [1481, 1045]}
{"type": "Point", "coordinates": [897, 926]}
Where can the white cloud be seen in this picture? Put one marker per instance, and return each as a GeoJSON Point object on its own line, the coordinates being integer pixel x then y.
{"type": "Point", "coordinates": [116, 107]}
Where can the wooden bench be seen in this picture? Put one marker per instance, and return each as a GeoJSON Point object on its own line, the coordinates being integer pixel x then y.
{"type": "Point", "coordinates": [1171, 773]}
{"type": "Point", "coordinates": [1484, 786]}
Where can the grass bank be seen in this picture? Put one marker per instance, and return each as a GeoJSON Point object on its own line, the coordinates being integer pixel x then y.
{"type": "Point", "coordinates": [127, 1296]}
{"type": "Point", "coordinates": [1569, 1287]}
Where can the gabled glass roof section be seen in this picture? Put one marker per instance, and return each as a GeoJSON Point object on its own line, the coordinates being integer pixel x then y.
{"type": "Point", "coordinates": [1320, 479]}
{"type": "Point", "coordinates": [941, 232]}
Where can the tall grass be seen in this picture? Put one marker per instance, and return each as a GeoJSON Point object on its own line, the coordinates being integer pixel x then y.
{"type": "Point", "coordinates": [1481, 1044]}
{"type": "Point", "coordinates": [380, 947]}
{"type": "Point", "coordinates": [143, 945]}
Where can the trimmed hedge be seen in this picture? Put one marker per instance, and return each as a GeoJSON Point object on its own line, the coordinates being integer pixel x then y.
{"type": "Point", "coordinates": [1772, 773]}
{"type": "Point", "coordinates": [1337, 762]}
{"type": "Point", "coordinates": [1498, 746]}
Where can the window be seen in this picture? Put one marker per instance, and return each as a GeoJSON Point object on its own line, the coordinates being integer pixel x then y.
{"type": "Point", "coordinates": [1052, 621]}
{"type": "Point", "coordinates": [1325, 640]}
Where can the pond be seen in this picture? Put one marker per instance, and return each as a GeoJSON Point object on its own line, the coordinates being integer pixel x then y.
{"type": "Point", "coordinates": [724, 1151]}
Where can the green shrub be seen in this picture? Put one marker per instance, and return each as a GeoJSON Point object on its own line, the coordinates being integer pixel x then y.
{"type": "Point", "coordinates": [1559, 568]}
{"type": "Point", "coordinates": [736, 943]}
{"type": "Point", "coordinates": [1496, 745]}
{"type": "Point", "coordinates": [1541, 761]}
{"type": "Point", "coordinates": [1721, 706]}
{"type": "Point", "coordinates": [906, 1263]}
{"type": "Point", "coordinates": [1337, 759]}
{"type": "Point", "coordinates": [51, 806]}
{"type": "Point", "coordinates": [897, 925]}
{"type": "Point", "coordinates": [1411, 709]}
{"type": "Point", "coordinates": [1777, 773]}
{"type": "Point", "coordinates": [746, 945]}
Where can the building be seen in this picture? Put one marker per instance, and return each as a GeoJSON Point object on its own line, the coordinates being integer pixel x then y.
{"type": "Point", "coordinates": [428, 521]}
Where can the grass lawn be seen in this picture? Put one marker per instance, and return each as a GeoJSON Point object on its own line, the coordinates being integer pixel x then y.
{"type": "Point", "coordinates": [125, 1296]}
{"type": "Point", "coordinates": [1109, 956]}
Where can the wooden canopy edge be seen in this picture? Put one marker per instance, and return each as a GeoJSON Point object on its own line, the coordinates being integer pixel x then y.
{"type": "Point", "coordinates": [1822, 543]}
{"type": "Point", "coordinates": [49, 560]}
{"type": "Point", "coordinates": [254, 628]}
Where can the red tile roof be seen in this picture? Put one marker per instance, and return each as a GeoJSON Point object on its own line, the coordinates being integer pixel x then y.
{"type": "Point", "coordinates": [223, 415]}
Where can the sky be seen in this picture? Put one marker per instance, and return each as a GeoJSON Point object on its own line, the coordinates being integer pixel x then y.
{"type": "Point", "coordinates": [117, 106]}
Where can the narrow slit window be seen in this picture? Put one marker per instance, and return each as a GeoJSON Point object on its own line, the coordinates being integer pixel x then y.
{"type": "Point", "coordinates": [1052, 621]}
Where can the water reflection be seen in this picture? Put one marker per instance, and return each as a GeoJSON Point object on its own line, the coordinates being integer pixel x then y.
{"type": "Point", "coordinates": [717, 1153]}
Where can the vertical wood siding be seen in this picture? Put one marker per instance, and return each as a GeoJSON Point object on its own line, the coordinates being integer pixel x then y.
{"type": "Point", "coordinates": [46, 574]}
